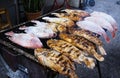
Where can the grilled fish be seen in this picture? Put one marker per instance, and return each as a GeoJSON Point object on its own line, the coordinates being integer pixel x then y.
{"type": "Point", "coordinates": [71, 51]}
{"type": "Point", "coordinates": [76, 12]}
{"type": "Point", "coordinates": [102, 23]}
{"type": "Point", "coordinates": [63, 21]}
{"type": "Point", "coordinates": [93, 27]}
{"type": "Point", "coordinates": [89, 36]}
{"type": "Point", "coordinates": [69, 16]}
{"type": "Point", "coordinates": [57, 27]}
{"type": "Point", "coordinates": [56, 61]}
{"type": "Point", "coordinates": [25, 40]}
{"type": "Point", "coordinates": [107, 17]}
{"type": "Point", "coordinates": [82, 43]}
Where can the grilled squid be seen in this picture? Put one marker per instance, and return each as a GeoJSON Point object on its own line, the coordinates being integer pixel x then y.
{"type": "Point", "coordinates": [71, 51]}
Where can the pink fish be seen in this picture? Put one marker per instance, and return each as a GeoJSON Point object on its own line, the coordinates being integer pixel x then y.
{"type": "Point", "coordinates": [107, 17]}
{"type": "Point", "coordinates": [39, 31]}
{"type": "Point", "coordinates": [103, 23]}
{"type": "Point", "coordinates": [93, 27]}
{"type": "Point", "coordinates": [24, 40]}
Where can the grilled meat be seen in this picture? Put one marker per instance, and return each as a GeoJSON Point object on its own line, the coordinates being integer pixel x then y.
{"type": "Point", "coordinates": [63, 21]}
{"type": "Point", "coordinates": [56, 61]}
{"type": "Point", "coordinates": [76, 12]}
{"type": "Point", "coordinates": [91, 26]}
{"type": "Point", "coordinates": [82, 43]}
{"type": "Point", "coordinates": [24, 40]}
{"type": "Point", "coordinates": [107, 17]}
{"type": "Point", "coordinates": [89, 36]}
{"type": "Point", "coordinates": [103, 23]}
{"type": "Point", "coordinates": [71, 51]}
{"type": "Point", "coordinates": [69, 16]}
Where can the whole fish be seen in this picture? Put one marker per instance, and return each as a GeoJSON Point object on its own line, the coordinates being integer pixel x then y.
{"type": "Point", "coordinates": [89, 36]}
{"type": "Point", "coordinates": [82, 43]}
{"type": "Point", "coordinates": [77, 12]}
{"type": "Point", "coordinates": [55, 27]}
{"type": "Point", "coordinates": [69, 16]}
{"type": "Point", "coordinates": [71, 51]}
{"type": "Point", "coordinates": [103, 23]}
{"type": "Point", "coordinates": [24, 40]}
{"type": "Point", "coordinates": [107, 17]}
{"type": "Point", "coordinates": [39, 31]}
{"type": "Point", "coordinates": [56, 61]}
{"type": "Point", "coordinates": [93, 27]}
{"type": "Point", "coordinates": [63, 21]}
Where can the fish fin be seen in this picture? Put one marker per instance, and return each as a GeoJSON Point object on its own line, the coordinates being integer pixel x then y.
{"type": "Point", "coordinates": [89, 62]}
{"type": "Point", "coordinates": [102, 50]}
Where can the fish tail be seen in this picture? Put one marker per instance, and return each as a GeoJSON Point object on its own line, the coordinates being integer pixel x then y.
{"type": "Point", "coordinates": [98, 57]}
{"type": "Point", "coordinates": [106, 37]}
{"type": "Point", "coordinates": [89, 62]}
{"type": "Point", "coordinates": [102, 50]}
{"type": "Point", "coordinates": [73, 75]}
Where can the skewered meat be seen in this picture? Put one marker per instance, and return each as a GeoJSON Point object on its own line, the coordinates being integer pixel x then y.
{"type": "Point", "coordinates": [76, 12]}
{"type": "Point", "coordinates": [25, 40]}
{"type": "Point", "coordinates": [82, 43]}
{"type": "Point", "coordinates": [55, 27]}
{"type": "Point", "coordinates": [71, 51]}
{"type": "Point", "coordinates": [89, 36]}
{"type": "Point", "coordinates": [39, 31]}
{"type": "Point", "coordinates": [103, 23]}
{"type": "Point", "coordinates": [69, 16]}
{"type": "Point", "coordinates": [56, 61]}
{"type": "Point", "coordinates": [107, 17]}
{"type": "Point", "coordinates": [91, 26]}
{"type": "Point", "coordinates": [63, 21]}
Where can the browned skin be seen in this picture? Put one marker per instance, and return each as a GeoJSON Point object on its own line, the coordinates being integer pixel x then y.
{"type": "Point", "coordinates": [86, 34]}
{"type": "Point", "coordinates": [57, 27]}
{"type": "Point", "coordinates": [71, 51]}
{"type": "Point", "coordinates": [56, 61]}
{"type": "Point", "coordinates": [79, 13]}
{"type": "Point", "coordinates": [82, 43]}
{"type": "Point", "coordinates": [71, 16]}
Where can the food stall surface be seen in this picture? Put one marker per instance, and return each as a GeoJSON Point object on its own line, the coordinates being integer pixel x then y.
{"type": "Point", "coordinates": [110, 68]}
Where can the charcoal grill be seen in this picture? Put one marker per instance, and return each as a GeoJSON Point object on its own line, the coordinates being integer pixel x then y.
{"type": "Point", "coordinates": [18, 57]}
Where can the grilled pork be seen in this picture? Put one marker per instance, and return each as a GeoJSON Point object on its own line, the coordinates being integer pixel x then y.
{"type": "Point", "coordinates": [69, 16]}
{"type": "Point", "coordinates": [89, 36]}
{"type": "Point", "coordinates": [93, 27]}
{"type": "Point", "coordinates": [71, 51]}
{"type": "Point", "coordinates": [76, 12]}
{"type": "Point", "coordinates": [107, 17]}
{"type": "Point", "coordinates": [103, 23]}
{"type": "Point", "coordinates": [56, 61]}
{"type": "Point", "coordinates": [24, 40]}
{"type": "Point", "coordinates": [63, 21]}
{"type": "Point", "coordinates": [82, 43]}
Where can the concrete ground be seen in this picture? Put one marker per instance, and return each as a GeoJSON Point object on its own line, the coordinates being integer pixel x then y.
{"type": "Point", "coordinates": [110, 68]}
